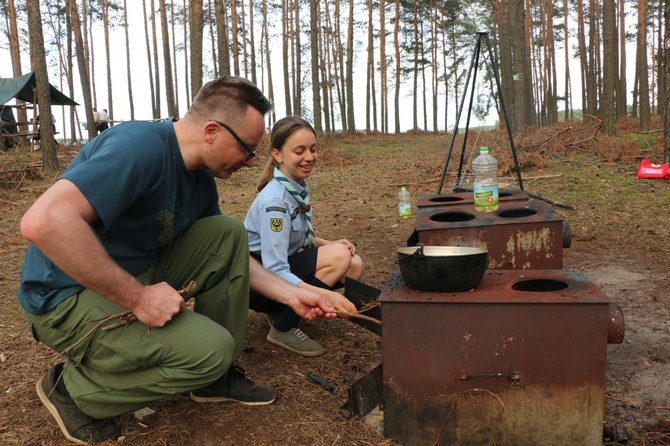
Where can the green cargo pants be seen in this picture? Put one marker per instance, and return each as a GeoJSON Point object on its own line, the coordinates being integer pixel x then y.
{"type": "Point", "coordinates": [121, 370]}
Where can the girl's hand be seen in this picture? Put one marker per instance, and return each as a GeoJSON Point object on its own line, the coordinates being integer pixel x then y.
{"type": "Point", "coordinates": [348, 244]}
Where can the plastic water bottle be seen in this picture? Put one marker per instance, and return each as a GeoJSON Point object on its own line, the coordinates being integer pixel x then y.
{"type": "Point", "coordinates": [404, 205]}
{"type": "Point", "coordinates": [485, 167]}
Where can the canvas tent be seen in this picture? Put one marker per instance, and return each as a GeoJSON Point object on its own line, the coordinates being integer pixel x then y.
{"type": "Point", "coordinates": [22, 88]}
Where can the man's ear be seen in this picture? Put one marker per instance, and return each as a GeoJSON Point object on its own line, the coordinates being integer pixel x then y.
{"type": "Point", "coordinates": [211, 131]}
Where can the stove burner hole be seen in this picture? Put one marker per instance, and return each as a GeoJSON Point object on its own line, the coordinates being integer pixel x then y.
{"type": "Point", "coordinates": [452, 217]}
{"type": "Point", "coordinates": [517, 213]}
{"type": "Point", "coordinates": [540, 285]}
{"type": "Point", "coordinates": [445, 199]}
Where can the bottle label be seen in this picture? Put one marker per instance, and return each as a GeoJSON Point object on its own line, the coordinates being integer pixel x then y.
{"type": "Point", "coordinates": [486, 196]}
{"type": "Point", "coordinates": [405, 210]}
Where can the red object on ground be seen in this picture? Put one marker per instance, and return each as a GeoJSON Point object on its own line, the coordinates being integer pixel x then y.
{"type": "Point", "coordinates": [652, 171]}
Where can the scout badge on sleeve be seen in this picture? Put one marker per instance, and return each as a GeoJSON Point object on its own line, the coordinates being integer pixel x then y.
{"type": "Point", "coordinates": [276, 224]}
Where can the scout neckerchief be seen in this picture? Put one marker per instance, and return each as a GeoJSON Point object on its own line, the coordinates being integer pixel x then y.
{"type": "Point", "coordinates": [303, 201]}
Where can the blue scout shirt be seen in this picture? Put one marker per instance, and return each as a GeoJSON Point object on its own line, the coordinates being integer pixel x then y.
{"type": "Point", "coordinates": [134, 176]}
{"type": "Point", "coordinates": [276, 228]}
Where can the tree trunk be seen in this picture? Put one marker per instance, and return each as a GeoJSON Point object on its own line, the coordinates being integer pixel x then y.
{"type": "Point", "coordinates": [167, 61]}
{"type": "Point", "coordinates": [245, 54]}
{"type": "Point", "coordinates": [314, 42]}
{"type": "Point", "coordinates": [621, 93]}
{"type": "Point", "coordinates": [592, 51]}
{"type": "Point", "coordinates": [173, 17]}
{"type": "Point", "coordinates": [222, 37]}
{"type": "Point", "coordinates": [236, 44]}
{"type": "Point", "coordinates": [370, 97]}
{"type": "Point", "coordinates": [566, 47]}
{"type": "Point", "coordinates": [415, 83]}
{"type": "Point", "coordinates": [324, 80]}
{"type": "Point", "coordinates": [641, 66]}
{"type": "Point", "coordinates": [75, 128]}
{"type": "Point", "coordinates": [83, 69]}
{"type": "Point", "coordinates": [154, 38]}
{"type": "Point", "coordinates": [130, 81]}
{"type": "Point", "coordinates": [334, 52]}
{"type": "Point", "coordinates": [610, 69]}
{"type": "Point", "coordinates": [268, 62]}
{"type": "Point", "coordinates": [187, 81]}
{"type": "Point", "coordinates": [660, 57]}
{"type": "Point", "coordinates": [581, 43]}
{"type": "Point", "coordinates": [15, 54]}
{"type": "Point", "coordinates": [108, 60]}
{"type": "Point", "coordinates": [396, 45]}
{"type": "Point", "coordinates": [552, 104]}
{"type": "Point", "coordinates": [666, 118]}
{"type": "Point", "coordinates": [288, 100]}
{"type": "Point", "coordinates": [39, 66]}
{"type": "Point", "coordinates": [382, 66]}
{"type": "Point", "coordinates": [434, 55]}
{"type": "Point", "coordinates": [88, 49]}
{"type": "Point", "coordinates": [351, 122]}
{"type": "Point", "coordinates": [151, 74]}
{"type": "Point", "coordinates": [195, 44]}
{"type": "Point", "coordinates": [252, 42]}
{"type": "Point", "coordinates": [297, 54]}
{"type": "Point", "coordinates": [212, 38]}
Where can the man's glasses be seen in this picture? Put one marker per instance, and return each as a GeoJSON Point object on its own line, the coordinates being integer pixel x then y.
{"type": "Point", "coordinates": [252, 153]}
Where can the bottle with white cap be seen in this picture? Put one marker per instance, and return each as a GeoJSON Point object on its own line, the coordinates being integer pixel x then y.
{"type": "Point", "coordinates": [485, 167]}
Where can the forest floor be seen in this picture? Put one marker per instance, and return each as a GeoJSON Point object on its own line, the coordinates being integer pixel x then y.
{"type": "Point", "coordinates": [620, 230]}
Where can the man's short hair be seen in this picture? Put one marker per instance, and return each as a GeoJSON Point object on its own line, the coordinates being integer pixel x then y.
{"type": "Point", "coordinates": [229, 95]}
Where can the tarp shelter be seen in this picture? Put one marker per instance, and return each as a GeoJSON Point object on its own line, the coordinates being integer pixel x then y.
{"type": "Point", "coordinates": [22, 88]}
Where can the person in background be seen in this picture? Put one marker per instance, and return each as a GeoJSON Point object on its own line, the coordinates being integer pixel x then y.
{"type": "Point", "coordinates": [102, 120]}
{"type": "Point", "coordinates": [281, 236]}
{"type": "Point", "coordinates": [38, 136]}
{"type": "Point", "coordinates": [134, 219]}
{"type": "Point", "coordinates": [96, 118]}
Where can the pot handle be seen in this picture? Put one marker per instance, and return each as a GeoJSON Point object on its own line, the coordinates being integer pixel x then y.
{"type": "Point", "coordinates": [417, 253]}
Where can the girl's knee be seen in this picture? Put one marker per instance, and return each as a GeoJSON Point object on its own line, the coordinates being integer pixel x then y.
{"type": "Point", "coordinates": [340, 254]}
{"type": "Point", "coordinates": [356, 268]}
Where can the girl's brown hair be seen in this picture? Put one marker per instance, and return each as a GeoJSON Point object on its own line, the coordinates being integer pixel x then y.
{"type": "Point", "coordinates": [281, 131]}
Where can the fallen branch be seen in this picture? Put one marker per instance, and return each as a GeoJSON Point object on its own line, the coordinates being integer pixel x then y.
{"type": "Point", "coordinates": [555, 203]}
{"type": "Point", "coordinates": [622, 400]}
{"type": "Point", "coordinates": [358, 316]}
{"type": "Point", "coordinates": [540, 177]}
{"type": "Point", "coordinates": [549, 140]}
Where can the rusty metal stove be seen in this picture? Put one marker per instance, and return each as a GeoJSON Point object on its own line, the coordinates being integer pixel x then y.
{"type": "Point", "coordinates": [520, 360]}
{"type": "Point", "coordinates": [519, 235]}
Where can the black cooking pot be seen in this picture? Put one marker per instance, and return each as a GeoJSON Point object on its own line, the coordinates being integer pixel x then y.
{"type": "Point", "coordinates": [448, 269]}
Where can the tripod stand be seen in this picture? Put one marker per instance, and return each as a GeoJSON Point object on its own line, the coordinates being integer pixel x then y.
{"type": "Point", "coordinates": [474, 64]}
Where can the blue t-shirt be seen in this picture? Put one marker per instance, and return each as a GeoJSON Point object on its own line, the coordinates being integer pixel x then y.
{"type": "Point", "coordinates": [134, 176]}
{"type": "Point", "coordinates": [276, 228]}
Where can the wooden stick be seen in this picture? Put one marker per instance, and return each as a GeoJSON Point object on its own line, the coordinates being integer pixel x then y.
{"type": "Point", "coordinates": [555, 203]}
{"type": "Point", "coordinates": [358, 316]}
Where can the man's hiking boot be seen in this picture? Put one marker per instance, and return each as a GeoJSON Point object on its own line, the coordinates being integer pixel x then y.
{"type": "Point", "coordinates": [75, 424]}
{"type": "Point", "coordinates": [296, 341]}
{"type": "Point", "coordinates": [234, 386]}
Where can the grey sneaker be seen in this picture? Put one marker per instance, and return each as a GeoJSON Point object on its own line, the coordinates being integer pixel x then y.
{"type": "Point", "coordinates": [296, 341]}
{"type": "Point", "coordinates": [234, 386]}
{"type": "Point", "coordinates": [76, 425]}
